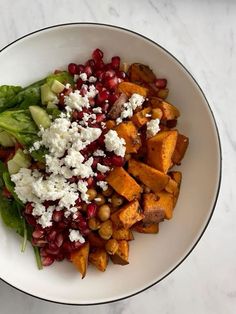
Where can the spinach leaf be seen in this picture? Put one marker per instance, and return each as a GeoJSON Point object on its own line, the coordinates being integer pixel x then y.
{"type": "Point", "coordinates": [63, 77]}
{"type": "Point", "coordinates": [7, 92]}
{"type": "Point", "coordinates": [11, 187]}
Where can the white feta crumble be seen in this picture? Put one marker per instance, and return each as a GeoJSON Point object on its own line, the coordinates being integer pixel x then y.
{"type": "Point", "coordinates": [114, 143]}
{"type": "Point", "coordinates": [76, 101]}
{"type": "Point", "coordinates": [153, 127]}
{"type": "Point", "coordinates": [92, 79]}
{"type": "Point", "coordinates": [97, 110]}
{"type": "Point", "coordinates": [73, 158]}
{"type": "Point", "coordinates": [45, 220]}
{"type": "Point", "coordinates": [99, 153]}
{"type": "Point", "coordinates": [102, 168]}
{"type": "Point", "coordinates": [103, 185]}
{"type": "Point", "coordinates": [129, 107]}
{"type": "Point", "coordinates": [92, 92]}
{"type": "Point", "coordinates": [83, 77]}
{"type": "Point", "coordinates": [75, 235]}
{"type": "Point", "coordinates": [83, 188]}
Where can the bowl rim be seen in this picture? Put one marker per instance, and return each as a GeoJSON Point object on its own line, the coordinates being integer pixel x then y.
{"type": "Point", "coordinates": [219, 147]}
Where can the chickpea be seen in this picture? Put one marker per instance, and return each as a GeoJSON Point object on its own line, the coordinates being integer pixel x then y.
{"type": "Point", "coordinates": [106, 230]}
{"type": "Point", "coordinates": [147, 189]}
{"type": "Point", "coordinates": [111, 246]}
{"type": "Point", "coordinates": [156, 113]}
{"type": "Point", "coordinates": [94, 223]}
{"type": "Point", "coordinates": [104, 212]}
{"type": "Point", "coordinates": [117, 200]}
{"type": "Point", "coordinates": [91, 194]}
{"type": "Point", "coordinates": [108, 191]}
{"type": "Point", "coordinates": [127, 156]}
{"type": "Point", "coordinates": [100, 199]}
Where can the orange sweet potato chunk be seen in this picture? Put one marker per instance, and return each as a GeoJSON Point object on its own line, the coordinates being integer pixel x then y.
{"type": "Point", "coordinates": [153, 212]}
{"type": "Point", "coordinates": [129, 133]}
{"type": "Point", "coordinates": [160, 149]}
{"type": "Point", "coordinates": [142, 227]}
{"type": "Point", "coordinates": [166, 202]}
{"type": "Point", "coordinates": [177, 177]}
{"type": "Point", "coordinates": [131, 88]}
{"type": "Point", "coordinates": [121, 256]}
{"type": "Point", "coordinates": [122, 234]}
{"type": "Point", "coordinates": [110, 124]}
{"type": "Point", "coordinates": [80, 259]}
{"type": "Point", "coordinates": [99, 258]}
{"type": "Point", "coordinates": [180, 148]}
{"type": "Point", "coordinates": [140, 118]}
{"type": "Point", "coordinates": [141, 73]}
{"type": "Point", "coordinates": [124, 184]}
{"type": "Point", "coordinates": [151, 177]}
{"type": "Point", "coordinates": [129, 214]}
{"type": "Point", "coordinates": [170, 112]}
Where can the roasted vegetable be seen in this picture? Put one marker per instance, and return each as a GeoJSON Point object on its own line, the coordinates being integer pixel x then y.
{"type": "Point", "coordinates": [153, 212]}
{"type": "Point", "coordinates": [96, 241]}
{"type": "Point", "coordinates": [116, 108]}
{"type": "Point", "coordinates": [141, 73]}
{"type": "Point", "coordinates": [177, 177]}
{"type": "Point", "coordinates": [141, 117]}
{"type": "Point", "coordinates": [129, 133]}
{"type": "Point", "coordinates": [169, 111]}
{"type": "Point", "coordinates": [160, 149]}
{"type": "Point", "coordinates": [180, 148]}
{"type": "Point", "coordinates": [131, 88]}
{"type": "Point", "coordinates": [99, 258]}
{"type": "Point", "coordinates": [166, 202]}
{"type": "Point", "coordinates": [122, 234]}
{"type": "Point", "coordinates": [142, 227]}
{"type": "Point", "coordinates": [80, 258]}
{"type": "Point", "coordinates": [149, 176]}
{"type": "Point", "coordinates": [123, 183]}
{"type": "Point", "coordinates": [122, 254]}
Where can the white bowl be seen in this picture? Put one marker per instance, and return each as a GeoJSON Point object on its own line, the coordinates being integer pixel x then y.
{"type": "Point", "coordinates": [152, 257]}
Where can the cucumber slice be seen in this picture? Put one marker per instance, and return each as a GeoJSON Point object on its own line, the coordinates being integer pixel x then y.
{"type": "Point", "coordinates": [40, 116]}
{"type": "Point", "coordinates": [6, 140]}
{"type": "Point", "coordinates": [57, 87]}
{"type": "Point", "coordinates": [47, 95]}
{"type": "Point", "coordinates": [51, 106]}
{"type": "Point", "coordinates": [20, 160]}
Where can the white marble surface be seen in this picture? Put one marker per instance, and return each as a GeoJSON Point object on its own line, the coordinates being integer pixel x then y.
{"type": "Point", "coordinates": [202, 35]}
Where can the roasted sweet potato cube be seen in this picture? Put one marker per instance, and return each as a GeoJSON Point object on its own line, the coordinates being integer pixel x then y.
{"type": "Point", "coordinates": [96, 241]}
{"type": "Point", "coordinates": [140, 73]}
{"type": "Point", "coordinates": [115, 219]}
{"type": "Point", "coordinates": [110, 124]}
{"type": "Point", "coordinates": [122, 254]}
{"type": "Point", "coordinates": [142, 227]}
{"type": "Point", "coordinates": [151, 177]}
{"type": "Point", "coordinates": [180, 148]}
{"type": "Point", "coordinates": [160, 149]}
{"type": "Point", "coordinates": [166, 202]}
{"type": "Point", "coordinates": [172, 187]}
{"type": "Point", "coordinates": [177, 177]}
{"type": "Point", "coordinates": [80, 259]}
{"type": "Point", "coordinates": [141, 117]}
{"type": "Point", "coordinates": [99, 258]}
{"type": "Point", "coordinates": [170, 112]}
{"type": "Point", "coordinates": [130, 88]}
{"type": "Point", "coordinates": [122, 234]}
{"type": "Point", "coordinates": [153, 212]}
{"type": "Point", "coordinates": [124, 184]}
{"type": "Point", "coordinates": [129, 133]}
{"type": "Point", "coordinates": [129, 214]}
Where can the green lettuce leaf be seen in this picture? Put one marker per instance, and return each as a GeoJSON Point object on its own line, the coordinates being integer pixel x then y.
{"type": "Point", "coordinates": [7, 92]}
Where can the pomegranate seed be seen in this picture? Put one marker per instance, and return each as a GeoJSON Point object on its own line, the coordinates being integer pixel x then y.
{"type": "Point", "coordinates": [60, 257]}
{"type": "Point", "coordinates": [97, 54]}
{"type": "Point", "coordinates": [62, 225]}
{"type": "Point", "coordinates": [83, 91]}
{"type": "Point", "coordinates": [99, 86]}
{"type": "Point", "coordinates": [100, 117]}
{"type": "Point", "coordinates": [105, 107]}
{"type": "Point", "coordinates": [86, 232]}
{"type": "Point", "coordinates": [101, 176]}
{"type": "Point", "coordinates": [101, 139]}
{"type": "Point", "coordinates": [67, 246]}
{"type": "Point", "coordinates": [88, 70]}
{"type": "Point", "coordinates": [82, 224]}
{"type": "Point", "coordinates": [31, 220]}
{"type": "Point", "coordinates": [91, 63]}
{"type": "Point", "coordinates": [43, 252]}
{"type": "Point", "coordinates": [102, 96]}
{"type": "Point", "coordinates": [38, 242]}
{"type": "Point", "coordinates": [117, 161]}
{"type": "Point", "coordinates": [109, 74]}
{"type": "Point", "coordinates": [99, 75]}
{"type": "Point", "coordinates": [90, 182]}
{"type": "Point", "coordinates": [28, 208]}
{"type": "Point", "coordinates": [115, 61]}
{"type": "Point", "coordinates": [37, 234]}
{"type": "Point", "coordinates": [61, 100]}
{"type": "Point", "coordinates": [161, 83]}
{"type": "Point", "coordinates": [80, 68]}
{"type": "Point", "coordinates": [79, 83]}
{"type": "Point", "coordinates": [96, 160]}
{"type": "Point", "coordinates": [99, 64]}
{"type": "Point", "coordinates": [77, 244]}
{"type": "Point", "coordinates": [47, 260]}
{"type": "Point", "coordinates": [73, 68]}
{"type": "Point", "coordinates": [91, 102]}
{"type": "Point", "coordinates": [59, 240]}
{"type": "Point", "coordinates": [112, 83]}
{"type": "Point", "coordinates": [121, 74]}
{"type": "Point", "coordinates": [113, 97]}
{"type": "Point", "coordinates": [57, 215]}
{"type": "Point", "coordinates": [108, 66]}
{"type": "Point", "coordinates": [51, 236]}
{"type": "Point", "coordinates": [91, 210]}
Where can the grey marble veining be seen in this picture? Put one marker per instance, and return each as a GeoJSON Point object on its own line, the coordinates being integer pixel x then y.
{"type": "Point", "coordinates": [202, 35]}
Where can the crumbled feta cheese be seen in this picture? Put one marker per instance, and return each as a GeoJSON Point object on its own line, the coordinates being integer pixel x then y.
{"type": "Point", "coordinates": [75, 235]}
{"type": "Point", "coordinates": [92, 79]}
{"type": "Point", "coordinates": [114, 143]}
{"type": "Point", "coordinates": [76, 101]}
{"type": "Point", "coordinates": [134, 102]}
{"type": "Point", "coordinates": [73, 158]}
{"type": "Point", "coordinates": [99, 153]}
{"type": "Point", "coordinates": [103, 185]}
{"type": "Point", "coordinates": [38, 209]}
{"type": "Point", "coordinates": [83, 77]}
{"type": "Point", "coordinates": [102, 168]}
{"type": "Point", "coordinates": [153, 127]}
{"type": "Point", "coordinates": [97, 110]}
{"type": "Point", "coordinates": [92, 92]}
{"type": "Point", "coordinates": [83, 188]}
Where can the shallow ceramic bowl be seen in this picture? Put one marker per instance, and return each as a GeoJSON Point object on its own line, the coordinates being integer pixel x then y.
{"type": "Point", "coordinates": [152, 257]}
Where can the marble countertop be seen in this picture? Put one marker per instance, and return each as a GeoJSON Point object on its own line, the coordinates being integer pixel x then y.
{"type": "Point", "coordinates": [202, 35]}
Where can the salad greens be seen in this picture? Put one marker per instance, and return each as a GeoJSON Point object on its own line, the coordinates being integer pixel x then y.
{"type": "Point", "coordinates": [16, 120]}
